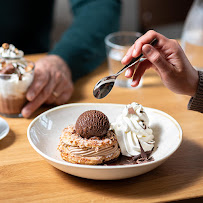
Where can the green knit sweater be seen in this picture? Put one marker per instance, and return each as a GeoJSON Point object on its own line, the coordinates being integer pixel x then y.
{"type": "Point", "coordinates": [28, 24]}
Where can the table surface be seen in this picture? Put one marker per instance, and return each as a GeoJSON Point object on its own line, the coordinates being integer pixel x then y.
{"type": "Point", "coordinates": [26, 176]}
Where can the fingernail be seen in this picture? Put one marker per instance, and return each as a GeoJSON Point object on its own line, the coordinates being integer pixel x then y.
{"type": "Point", "coordinates": [30, 96]}
{"type": "Point", "coordinates": [127, 72]}
{"type": "Point", "coordinates": [25, 113]}
{"type": "Point", "coordinates": [134, 84]}
{"type": "Point", "coordinates": [124, 59]}
{"type": "Point", "coordinates": [146, 49]}
{"type": "Point", "coordinates": [134, 53]}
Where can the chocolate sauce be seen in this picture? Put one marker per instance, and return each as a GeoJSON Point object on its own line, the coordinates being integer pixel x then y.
{"type": "Point", "coordinates": [9, 69]}
{"type": "Point", "coordinates": [124, 160]}
{"type": "Point", "coordinates": [121, 160]}
{"type": "Point", "coordinates": [143, 157]}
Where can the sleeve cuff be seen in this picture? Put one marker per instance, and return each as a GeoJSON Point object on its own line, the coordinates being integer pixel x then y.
{"type": "Point", "coordinates": [196, 102]}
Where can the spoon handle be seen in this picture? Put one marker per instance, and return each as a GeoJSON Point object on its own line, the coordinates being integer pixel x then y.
{"type": "Point", "coordinates": [135, 60]}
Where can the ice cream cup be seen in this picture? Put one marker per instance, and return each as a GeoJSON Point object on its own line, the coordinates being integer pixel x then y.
{"type": "Point", "coordinates": [14, 87]}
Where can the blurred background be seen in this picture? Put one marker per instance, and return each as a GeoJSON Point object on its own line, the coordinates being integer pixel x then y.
{"type": "Point", "coordinates": [164, 16]}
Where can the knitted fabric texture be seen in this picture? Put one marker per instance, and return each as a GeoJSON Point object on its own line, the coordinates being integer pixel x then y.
{"type": "Point", "coordinates": [196, 102]}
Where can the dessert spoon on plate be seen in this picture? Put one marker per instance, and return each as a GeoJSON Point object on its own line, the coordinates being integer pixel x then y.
{"type": "Point", "coordinates": [105, 85]}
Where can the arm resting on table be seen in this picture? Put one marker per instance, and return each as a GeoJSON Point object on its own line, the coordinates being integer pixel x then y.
{"type": "Point", "coordinates": [82, 45]}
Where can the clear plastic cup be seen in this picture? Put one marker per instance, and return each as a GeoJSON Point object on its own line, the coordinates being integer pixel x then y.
{"type": "Point", "coordinates": [14, 87]}
{"type": "Point", "coordinates": [117, 45]}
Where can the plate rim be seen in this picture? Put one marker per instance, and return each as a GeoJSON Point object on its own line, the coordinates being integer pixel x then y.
{"type": "Point", "coordinates": [96, 167]}
{"type": "Point", "coordinates": [7, 128]}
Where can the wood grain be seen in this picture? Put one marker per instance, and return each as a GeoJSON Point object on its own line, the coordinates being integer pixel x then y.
{"type": "Point", "coordinates": [26, 177]}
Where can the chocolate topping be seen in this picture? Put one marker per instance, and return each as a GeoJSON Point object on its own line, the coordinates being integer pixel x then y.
{"type": "Point", "coordinates": [131, 111]}
{"type": "Point", "coordinates": [144, 156]}
{"type": "Point", "coordinates": [9, 69]}
{"type": "Point", "coordinates": [15, 67]}
{"type": "Point", "coordinates": [92, 123]}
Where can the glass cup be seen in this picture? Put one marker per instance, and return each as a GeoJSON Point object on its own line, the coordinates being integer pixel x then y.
{"type": "Point", "coordinates": [192, 36]}
{"type": "Point", "coordinates": [14, 84]}
{"type": "Point", "coordinates": [117, 45]}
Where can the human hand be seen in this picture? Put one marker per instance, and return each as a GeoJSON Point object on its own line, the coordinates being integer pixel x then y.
{"type": "Point", "coordinates": [52, 84]}
{"type": "Point", "coordinates": [169, 61]}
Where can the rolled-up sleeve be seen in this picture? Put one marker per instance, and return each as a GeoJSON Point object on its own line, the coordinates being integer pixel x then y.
{"type": "Point", "coordinates": [82, 45]}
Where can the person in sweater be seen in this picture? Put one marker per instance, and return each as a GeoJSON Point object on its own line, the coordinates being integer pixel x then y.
{"type": "Point", "coordinates": [28, 25]}
{"type": "Point", "coordinates": [170, 62]}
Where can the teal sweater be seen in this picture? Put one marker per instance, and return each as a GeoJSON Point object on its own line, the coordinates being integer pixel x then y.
{"type": "Point", "coordinates": [28, 24]}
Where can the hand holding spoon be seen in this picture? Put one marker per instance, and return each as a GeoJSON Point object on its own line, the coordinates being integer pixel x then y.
{"type": "Point", "coordinates": [104, 86]}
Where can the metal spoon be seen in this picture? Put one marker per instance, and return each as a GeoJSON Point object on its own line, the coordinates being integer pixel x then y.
{"type": "Point", "coordinates": [104, 86]}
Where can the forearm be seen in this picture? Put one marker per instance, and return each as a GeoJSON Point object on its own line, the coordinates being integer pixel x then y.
{"type": "Point", "coordinates": [82, 45]}
{"type": "Point", "coordinates": [196, 102]}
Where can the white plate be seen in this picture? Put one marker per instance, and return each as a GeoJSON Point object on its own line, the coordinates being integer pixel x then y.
{"type": "Point", "coordinates": [4, 128]}
{"type": "Point", "coordinates": [44, 132]}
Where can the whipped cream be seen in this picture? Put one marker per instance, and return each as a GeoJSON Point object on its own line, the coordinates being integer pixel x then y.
{"type": "Point", "coordinates": [15, 77]}
{"type": "Point", "coordinates": [131, 125]}
{"type": "Point", "coordinates": [10, 51]}
{"type": "Point", "coordinates": [15, 87]}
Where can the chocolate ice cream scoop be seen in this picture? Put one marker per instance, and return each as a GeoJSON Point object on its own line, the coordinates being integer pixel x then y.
{"type": "Point", "coordinates": [92, 123]}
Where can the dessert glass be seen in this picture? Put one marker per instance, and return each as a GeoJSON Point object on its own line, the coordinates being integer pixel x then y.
{"type": "Point", "coordinates": [14, 87]}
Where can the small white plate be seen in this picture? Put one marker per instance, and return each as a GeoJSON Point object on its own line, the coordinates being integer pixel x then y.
{"type": "Point", "coordinates": [45, 130]}
{"type": "Point", "coordinates": [4, 128]}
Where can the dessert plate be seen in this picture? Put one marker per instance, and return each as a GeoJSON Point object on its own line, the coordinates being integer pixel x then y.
{"type": "Point", "coordinates": [4, 128]}
{"type": "Point", "coordinates": [44, 133]}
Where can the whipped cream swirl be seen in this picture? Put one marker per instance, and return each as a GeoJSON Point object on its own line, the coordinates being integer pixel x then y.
{"type": "Point", "coordinates": [131, 125]}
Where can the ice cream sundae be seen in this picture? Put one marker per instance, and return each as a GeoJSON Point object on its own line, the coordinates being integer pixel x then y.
{"type": "Point", "coordinates": [15, 78]}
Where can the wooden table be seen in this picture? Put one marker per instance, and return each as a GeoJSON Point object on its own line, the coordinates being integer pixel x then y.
{"type": "Point", "coordinates": [25, 176]}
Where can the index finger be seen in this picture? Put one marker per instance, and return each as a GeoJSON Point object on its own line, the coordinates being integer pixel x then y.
{"type": "Point", "coordinates": [39, 82]}
{"type": "Point", "coordinates": [128, 56]}
{"type": "Point", "coordinates": [144, 39]}
{"type": "Point", "coordinates": [39, 100]}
